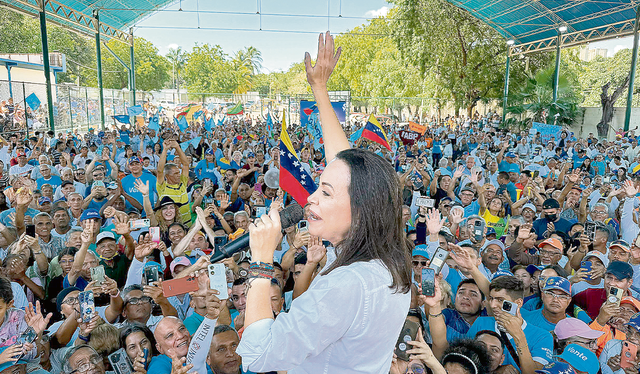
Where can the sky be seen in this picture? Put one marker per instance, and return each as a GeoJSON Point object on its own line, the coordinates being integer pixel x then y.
{"type": "Point", "coordinates": [170, 29]}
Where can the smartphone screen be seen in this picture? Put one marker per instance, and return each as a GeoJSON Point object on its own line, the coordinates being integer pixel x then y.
{"type": "Point", "coordinates": [429, 282]}
{"type": "Point", "coordinates": [438, 259]}
{"type": "Point", "coordinates": [30, 230]}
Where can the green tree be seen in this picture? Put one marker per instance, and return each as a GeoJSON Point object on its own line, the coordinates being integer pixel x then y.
{"type": "Point", "coordinates": [152, 69]}
{"type": "Point", "coordinates": [177, 58]}
{"type": "Point", "coordinates": [465, 56]}
{"type": "Point", "coordinates": [208, 69]}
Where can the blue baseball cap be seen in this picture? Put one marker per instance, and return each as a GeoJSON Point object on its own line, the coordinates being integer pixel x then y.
{"type": "Point", "coordinates": [557, 283]}
{"type": "Point", "coordinates": [491, 231]}
{"type": "Point", "coordinates": [621, 270]}
{"type": "Point", "coordinates": [208, 151]}
{"type": "Point", "coordinates": [531, 269]}
{"type": "Point", "coordinates": [420, 250]}
{"type": "Point", "coordinates": [634, 321]}
{"type": "Point", "coordinates": [581, 359]}
{"type": "Point", "coordinates": [514, 168]}
{"type": "Point", "coordinates": [556, 367]}
{"type": "Point", "coordinates": [134, 159]}
{"type": "Point", "coordinates": [251, 154]}
{"type": "Point", "coordinates": [501, 273]}
{"type": "Point", "coordinates": [511, 154]}
{"type": "Point", "coordinates": [90, 214]}
{"type": "Point", "coordinates": [43, 200]}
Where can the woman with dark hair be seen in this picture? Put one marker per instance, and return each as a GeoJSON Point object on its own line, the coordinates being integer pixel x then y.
{"type": "Point", "coordinates": [140, 345]}
{"type": "Point", "coordinates": [351, 315]}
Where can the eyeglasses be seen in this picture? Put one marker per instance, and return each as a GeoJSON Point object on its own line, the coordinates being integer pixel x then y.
{"type": "Point", "coordinates": [419, 263]}
{"type": "Point", "coordinates": [543, 252]}
{"type": "Point", "coordinates": [592, 343]}
{"type": "Point", "coordinates": [80, 172]}
{"type": "Point", "coordinates": [94, 360]}
{"type": "Point", "coordinates": [563, 297]}
{"type": "Point", "coordinates": [70, 301]}
{"type": "Point", "coordinates": [416, 369]}
{"type": "Point", "coordinates": [138, 300]}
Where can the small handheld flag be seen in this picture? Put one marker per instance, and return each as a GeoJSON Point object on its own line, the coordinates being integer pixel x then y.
{"type": "Point", "coordinates": [122, 118]}
{"type": "Point", "coordinates": [33, 101]}
{"type": "Point", "coordinates": [374, 132]}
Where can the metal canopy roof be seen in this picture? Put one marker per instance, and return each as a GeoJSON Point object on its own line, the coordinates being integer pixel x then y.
{"type": "Point", "coordinates": [533, 24]}
{"type": "Point", "coordinates": [78, 14]}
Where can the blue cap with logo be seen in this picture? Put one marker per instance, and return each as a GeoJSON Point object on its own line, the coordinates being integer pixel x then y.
{"type": "Point", "coordinates": [501, 273]}
{"type": "Point", "coordinates": [135, 159]}
{"type": "Point", "coordinates": [556, 367]}
{"type": "Point", "coordinates": [209, 151]}
{"type": "Point", "coordinates": [634, 321]}
{"type": "Point", "coordinates": [420, 250]}
{"type": "Point", "coordinates": [581, 359]}
{"type": "Point", "coordinates": [557, 283]}
{"type": "Point", "coordinates": [90, 214]}
{"type": "Point", "coordinates": [620, 270]}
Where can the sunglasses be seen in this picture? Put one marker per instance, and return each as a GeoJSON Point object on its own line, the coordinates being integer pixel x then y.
{"type": "Point", "coordinates": [419, 263]}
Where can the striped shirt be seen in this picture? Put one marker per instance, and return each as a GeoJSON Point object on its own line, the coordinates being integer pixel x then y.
{"type": "Point", "coordinates": [178, 193]}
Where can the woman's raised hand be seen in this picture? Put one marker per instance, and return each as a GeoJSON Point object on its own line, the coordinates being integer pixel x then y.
{"type": "Point", "coordinates": [318, 75]}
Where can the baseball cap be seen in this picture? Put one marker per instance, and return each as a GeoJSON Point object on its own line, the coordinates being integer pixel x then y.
{"type": "Point", "coordinates": [636, 170]}
{"type": "Point", "coordinates": [530, 206]}
{"type": "Point", "coordinates": [89, 214]}
{"type": "Point", "coordinates": [251, 154]}
{"type": "Point", "coordinates": [556, 367]}
{"type": "Point", "coordinates": [135, 159]}
{"type": "Point", "coordinates": [621, 244]}
{"type": "Point", "coordinates": [630, 300]}
{"type": "Point", "coordinates": [634, 321]}
{"type": "Point", "coordinates": [621, 270]}
{"type": "Point", "coordinates": [581, 358]}
{"type": "Point", "coordinates": [131, 209]}
{"type": "Point", "coordinates": [18, 154]}
{"type": "Point", "coordinates": [557, 283]}
{"type": "Point", "coordinates": [550, 204]}
{"type": "Point", "coordinates": [491, 231]}
{"type": "Point", "coordinates": [180, 260]}
{"type": "Point", "coordinates": [538, 159]}
{"type": "Point", "coordinates": [501, 273]}
{"type": "Point", "coordinates": [496, 242]}
{"type": "Point", "coordinates": [208, 151]}
{"type": "Point", "coordinates": [105, 235]}
{"type": "Point", "coordinates": [420, 250]}
{"type": "Point", "coordinates": [468, 188]}
{"type": "Point", "coordinates": [510, 154]}
{"type": "Point", "coordinates": [43, 200]}
{"type": "Point", "coordinates": [570, 327]}
{"type": "Point", "coordinates": [555, 243]}
{"type": "Point", "coordinates": [531, 269]}
{"type": "Point", "coordinates": [597, 254]}
{"type": "Point", "coordinates": [64, 183]}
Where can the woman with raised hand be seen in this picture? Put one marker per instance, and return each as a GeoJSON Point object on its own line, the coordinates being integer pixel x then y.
{"type": "Point", "coordinates": [350, 317]}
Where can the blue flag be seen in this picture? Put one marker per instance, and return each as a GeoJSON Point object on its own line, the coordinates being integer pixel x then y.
{"type": "Point", "coordinates": [356, 135]}
{"type": "Point", "coordinates": [135, 110]}
{"type": "Point", "coordinates": [122, 118]}
{"type": "Point", "coordinates": [197, 114]}
{"type": "Point", "coordinates": [181, 123]}
{"type": "Point", "coordinates": [185, 145]}
{"type": "Point", "coordinates": [196, 141]}
{"type": "Point", "coordinates": [33, 101]}
{"type": "Point", "coordinates": [208, 124]}
{"type": "Point", "coordinates": [269, 125]}
{"type": "Point", "coordinates": [220, 123]}
{"type": "Point", "coordinates": [154, 123]}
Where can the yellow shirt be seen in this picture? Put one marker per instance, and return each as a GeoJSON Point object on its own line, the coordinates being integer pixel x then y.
{"type": "Point", "coordinates": [499, 224]}
{"type": "Point", "coordinates": [178, 193]}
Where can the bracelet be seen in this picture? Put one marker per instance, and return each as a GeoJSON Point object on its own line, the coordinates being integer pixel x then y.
{"type": "Point", "coordinates": [261, 273]}
{"type": "Point", "coordinates": [261, 265]}
{"type": "Point", "coordinates": [84, 338]}
{"type": "Point", "coordinates": [435, 315]}
{"type": "Point", "coordinates": [116, 295]}
{"type": "Point", "coordinates": [37, 253]}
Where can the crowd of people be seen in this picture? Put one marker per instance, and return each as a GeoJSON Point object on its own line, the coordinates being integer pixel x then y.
{"type": "Point", "coordinates": [536, 247]}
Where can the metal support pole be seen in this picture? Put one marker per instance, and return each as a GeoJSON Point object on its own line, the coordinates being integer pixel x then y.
{"type": "Point", "coordinates": [556, 75]}
{"type": "Point", "coordinates": [45, 61]}
{"type": "Point", "coordinates": [26, 118]}
{"type": "Point", "coordinates": [9, 78]}
{"type": "Point", "coordinates": [70, 113]}
{"type": "Point", "coordinates": [506, 87]}
{"type": "Point", "coordinates": [632, 73]}
{"type": "Point", "coordinates": [133, 68]}
{"type": "Point", "coordinates": [113, 102]}
{"type": "Point", "coordinates": [86, 105]}
{"type": "Point", "coordinates": [99, 63]}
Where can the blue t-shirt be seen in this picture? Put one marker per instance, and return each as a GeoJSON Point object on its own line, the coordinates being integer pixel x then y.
{"type": "Point", "coordinates": [512, 191]}
{"type": "Point", "coordinates": [5, 220]}
{"type": "Point", "coordinates": [577, 161]}
{"type": "Point", "coordinates": [540, 341]}
{"type": "Point", "coordinates": [128, 185]}
{"type": "Point", "coordinates": [540, 226]}
{"type": "Point", "coordinates": [471, 209]}
{"type": "Point", "coordinates": [81, 283]}
{"type": "Point", "coordinates": [160, 364]}
{"type": "Point", "coordinates": [97, 205]}
{"type": "Point", "coordinates": [206, 170]}
{"type": "Point", "coordinates": [54, 181]}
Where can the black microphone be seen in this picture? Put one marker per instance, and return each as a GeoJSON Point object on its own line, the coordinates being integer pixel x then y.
{"type": "Point", "coordinates": [289, 216]}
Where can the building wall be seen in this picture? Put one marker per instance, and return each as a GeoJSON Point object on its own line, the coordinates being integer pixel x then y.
{"type": "Point", "coordinates": [24, 75]}
{"type": "Point", "coordinates": [586, 123]}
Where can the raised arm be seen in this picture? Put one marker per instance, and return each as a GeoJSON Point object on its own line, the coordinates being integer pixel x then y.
{"type": "Point", "coordinates": [318, 76]}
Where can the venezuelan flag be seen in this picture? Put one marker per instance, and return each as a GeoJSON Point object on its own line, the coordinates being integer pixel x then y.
{"type": "Point", "coordinates": [374, 132]}
{"type": "Point", "coordinates": [294, 178]}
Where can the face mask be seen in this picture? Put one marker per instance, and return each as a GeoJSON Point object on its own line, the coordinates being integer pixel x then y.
{"type": "Point", "coordinates": [551, 217]}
